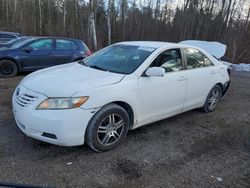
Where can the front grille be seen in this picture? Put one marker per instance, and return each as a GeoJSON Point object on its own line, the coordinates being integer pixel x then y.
{"type": "Point", "coordinates": [25, 100]}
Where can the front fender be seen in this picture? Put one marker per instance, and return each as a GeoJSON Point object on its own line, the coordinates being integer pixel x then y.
{"type": "Point", "coordinates": [119, 92]}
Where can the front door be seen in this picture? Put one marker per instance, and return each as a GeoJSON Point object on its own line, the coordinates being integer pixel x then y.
{"type": "Point", "coordinates": [38, 55]}
{"type": "Point", "coordinates": [160, 97]}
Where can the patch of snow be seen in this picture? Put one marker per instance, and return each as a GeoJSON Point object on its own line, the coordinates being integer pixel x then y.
{"type": "Point", "coordinates": [238, 67]}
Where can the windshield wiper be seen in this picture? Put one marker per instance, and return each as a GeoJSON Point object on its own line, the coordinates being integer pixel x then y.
{"type": "Point", "coordinates": [97, 67]}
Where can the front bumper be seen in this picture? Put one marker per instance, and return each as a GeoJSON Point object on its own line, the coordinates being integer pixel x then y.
{"type": "Point", "coordinates": [60, 127]}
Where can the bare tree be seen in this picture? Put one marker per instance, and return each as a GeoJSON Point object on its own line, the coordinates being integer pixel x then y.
{"type": "Point", "coordinates": [92, 24]}
{"type": "Point", "coordinates": [40, 16]}
{"type": "Point", "coordinates": [102, 22]}
{"type": "Point", "coordinates": [111, 2]}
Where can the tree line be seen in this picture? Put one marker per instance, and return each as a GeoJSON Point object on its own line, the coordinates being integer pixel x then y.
{"type": "Point", "coordinates": [102, 22]}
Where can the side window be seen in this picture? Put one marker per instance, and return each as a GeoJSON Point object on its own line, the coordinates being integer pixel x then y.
{"type": "Point", "coordinates": [45, 44]}
{"type": "Point", "coordinates": [65, 45]}
{"type": "Point", "coordinates": [196, 59]}
{"type": "Point", "coordinates": [170, 60]}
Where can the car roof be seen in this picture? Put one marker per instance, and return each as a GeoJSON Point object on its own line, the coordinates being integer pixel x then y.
{"type": "Point", "coordinates": [54, 37]}
{"type": "Point", "coordinates": [8, 32]}
{"type": "Point", "coordinates": [151, 44]}
{"type": "Point", "coordinates": [158, 44]}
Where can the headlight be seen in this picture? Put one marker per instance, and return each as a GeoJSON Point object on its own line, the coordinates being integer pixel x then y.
{"type": "Point", "coordinates": [62, 103]}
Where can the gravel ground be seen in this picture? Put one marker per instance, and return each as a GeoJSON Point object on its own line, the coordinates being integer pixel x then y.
{"type": "Point", "coordinates": [193, 149]}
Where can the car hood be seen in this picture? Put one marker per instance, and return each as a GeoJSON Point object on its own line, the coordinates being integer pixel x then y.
{"type": "Point", "coordinates": [66, 80]}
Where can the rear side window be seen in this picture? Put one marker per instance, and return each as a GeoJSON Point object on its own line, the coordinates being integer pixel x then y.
{"type": "Point", "coordinates": [65, 45]}
{"type": "Point", "coordinates": [196, 59]}
{"type": "Point", "coordinates": [7, 36]}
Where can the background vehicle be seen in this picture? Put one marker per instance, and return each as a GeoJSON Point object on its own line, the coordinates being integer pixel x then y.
{"type": "Point", "coordinates": [121, 87]}
{"type": "Point", "coordinates": [7, 36]}
{"type": "Point", "coordinates": [12, 42]}
{"type": "Point", "coordinates": [40, 52]}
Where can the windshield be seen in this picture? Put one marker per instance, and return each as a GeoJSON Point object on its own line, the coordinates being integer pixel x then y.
{"type": "Point", "coordinates": [12, 41]}
{"type": "Point", "coordinates": [21, 43]}
{"type": "Point", "coordinates": [119, 58]}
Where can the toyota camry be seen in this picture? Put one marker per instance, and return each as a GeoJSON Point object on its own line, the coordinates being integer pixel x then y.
{"type": "Point", "coordinates": [121, 87]}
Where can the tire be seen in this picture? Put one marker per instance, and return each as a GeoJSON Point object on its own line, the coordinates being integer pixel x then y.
{"type": "Point", "coordinates": [8, 69]}
{"type": "Point", "coordinates": [108, 128]}
{"type": "Point", "coordinates": [212, 99]}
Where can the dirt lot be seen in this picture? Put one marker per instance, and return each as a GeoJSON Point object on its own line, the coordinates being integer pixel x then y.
{"type": "Point", "coordinates": [193, 149]}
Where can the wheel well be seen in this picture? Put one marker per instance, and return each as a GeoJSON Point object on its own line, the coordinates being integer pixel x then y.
{"type": "Point", "coordinates": [221, 86]}
{"type": "Point", "coordinates": [12, 61]}
{"type": "Point", "coordinates": [129, 110]}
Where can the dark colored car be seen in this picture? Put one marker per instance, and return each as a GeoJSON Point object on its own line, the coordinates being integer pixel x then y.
{"type": "Point", "coordinates": [40, 52]}
{"type": "Point", "coordinates": [7, 36]}
{"type": "Point", "coordinates": [13, 42]}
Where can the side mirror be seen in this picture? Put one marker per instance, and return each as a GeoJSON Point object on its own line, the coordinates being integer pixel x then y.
{"type": "Point", "coordinates": [27, 49]}
{"type": "Point", "coordinates": [155, 72]}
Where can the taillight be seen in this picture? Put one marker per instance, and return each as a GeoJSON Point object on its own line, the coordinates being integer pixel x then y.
{"type": "Point", "coordinates": [88, 52]}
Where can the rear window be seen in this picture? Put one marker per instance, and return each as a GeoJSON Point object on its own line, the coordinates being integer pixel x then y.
{"type": "Point", "coordinates": [65, 45]}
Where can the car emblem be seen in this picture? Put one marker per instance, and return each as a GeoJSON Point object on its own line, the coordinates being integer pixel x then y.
{"type": "Point", "coordinates": [17, 91]}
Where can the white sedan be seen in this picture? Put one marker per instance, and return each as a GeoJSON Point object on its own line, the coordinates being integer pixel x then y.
{"type": "Point", "coordinates": [119, 88]}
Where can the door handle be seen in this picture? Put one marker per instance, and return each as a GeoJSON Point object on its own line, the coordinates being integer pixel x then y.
{"type": "Point", "coordinates": [182, 78]}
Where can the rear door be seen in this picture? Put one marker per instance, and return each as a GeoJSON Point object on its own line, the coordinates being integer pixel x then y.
{"type": "Point", "coordinates": [65, 51]}
{"type": "Point", "coordinates": [39, 56]}
{"type": "Point", "coordinates": [201, 75]}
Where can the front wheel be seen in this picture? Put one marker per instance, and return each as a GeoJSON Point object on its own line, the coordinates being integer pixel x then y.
{"type": "Point", "coordinates": [8, 69]}
{"type": "Point", "coordinates": [212, 99]}
{"type": "Point", "coordinates": [108, 128]}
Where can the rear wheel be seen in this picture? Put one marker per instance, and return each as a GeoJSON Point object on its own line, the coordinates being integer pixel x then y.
{"type": "Point", "coordinates": [7, 69]}
{"type": "Point", "coordinates": [107, 128]}
{"type": "Point", "coordinates": [212, 99]}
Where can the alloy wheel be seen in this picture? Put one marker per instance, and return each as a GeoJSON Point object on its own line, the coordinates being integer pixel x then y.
{"type": "Point", "coordinates": [110, 129]}
{"type": "Point", "coordinates": [213, 99]}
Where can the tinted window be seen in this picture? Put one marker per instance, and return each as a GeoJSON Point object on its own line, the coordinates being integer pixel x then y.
{"type": "Point", "coordinates": [119, 58]}
{"type": "Point", "coordinates": [170, 60]}
{"type": "Point", "coordinates": [196, 59]}
{"type": "Point", "coordinates": [7, 36]}
{"type": "Point", "coordinates": [45, 44]}
{"type": "Point", "coordinates": [65, 45]}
